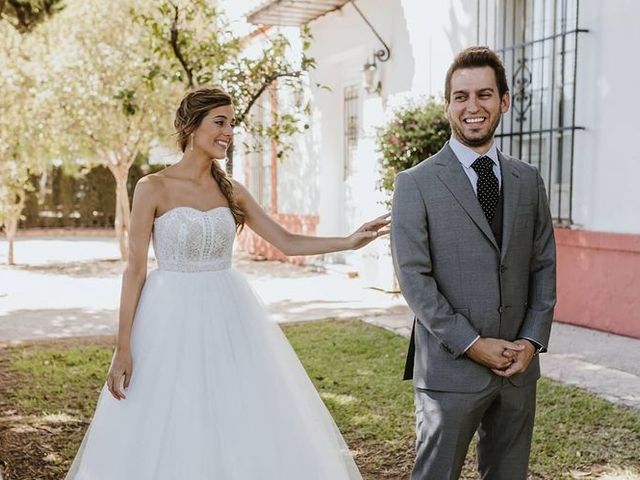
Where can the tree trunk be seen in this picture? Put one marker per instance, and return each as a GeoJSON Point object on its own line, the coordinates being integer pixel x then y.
{"type": "Point", "coordinates": [123, 213]}
{"type": "Point", "coordinates": [11, 219]}
{"type": "Point", "coordinates": [10, 230]}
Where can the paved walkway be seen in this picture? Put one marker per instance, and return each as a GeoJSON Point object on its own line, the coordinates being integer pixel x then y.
{"type": "Point", "coordinates": [57, 293]}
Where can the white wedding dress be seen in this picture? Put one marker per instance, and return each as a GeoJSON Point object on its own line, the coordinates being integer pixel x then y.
{"type": "Point", "coordinates": [217, 392]}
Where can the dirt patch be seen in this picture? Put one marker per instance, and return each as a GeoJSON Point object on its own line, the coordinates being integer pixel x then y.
{"type": "Point", "coordinates": [377, 463]}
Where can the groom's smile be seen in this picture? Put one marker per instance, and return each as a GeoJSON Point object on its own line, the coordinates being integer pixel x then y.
{"type": "Point", "coordinates": [474, 120]}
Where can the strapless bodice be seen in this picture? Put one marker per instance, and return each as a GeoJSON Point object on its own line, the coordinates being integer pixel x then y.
{"type": "Point", "coordinates": [186, 239]}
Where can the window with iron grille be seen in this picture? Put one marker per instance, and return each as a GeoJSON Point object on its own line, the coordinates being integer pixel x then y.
{"type": "Point", "coordinates": [538, 43]}
{"type": "Point", "coordinates": [351, 126]}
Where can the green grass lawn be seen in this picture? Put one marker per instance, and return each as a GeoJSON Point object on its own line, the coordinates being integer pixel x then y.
{"type": "Point", "coordinates": [48, 392]}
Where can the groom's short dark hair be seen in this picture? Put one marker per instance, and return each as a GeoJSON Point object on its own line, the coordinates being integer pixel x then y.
{"type": "Point", "coordinates": [474, 57]}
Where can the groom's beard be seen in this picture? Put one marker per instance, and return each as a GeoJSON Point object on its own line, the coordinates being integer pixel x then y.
{"type": "Point", "coordinates": [476, 142]}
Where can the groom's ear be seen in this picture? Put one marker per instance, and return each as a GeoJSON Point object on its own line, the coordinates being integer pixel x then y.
{"type": "Point", "coordinates": [505, 102]}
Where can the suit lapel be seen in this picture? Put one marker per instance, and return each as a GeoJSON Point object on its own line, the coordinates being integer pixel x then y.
{"type": "Point", "coordinates": [457, 182]}
{"type": "Point", "coordinates": [510, 192]}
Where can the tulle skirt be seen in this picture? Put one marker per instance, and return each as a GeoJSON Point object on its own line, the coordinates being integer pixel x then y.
{"type": "Point", "coordinates": [216, 393]}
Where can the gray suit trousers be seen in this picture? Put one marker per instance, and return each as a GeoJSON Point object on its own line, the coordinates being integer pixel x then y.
{"type": "Point", "coordinates": [503, 415]}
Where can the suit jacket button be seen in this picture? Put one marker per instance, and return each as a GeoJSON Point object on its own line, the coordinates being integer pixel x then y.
{"type": "Point", "coordinates": [500, 309]}
{"type": "Point", "coordinates": [503, 268]}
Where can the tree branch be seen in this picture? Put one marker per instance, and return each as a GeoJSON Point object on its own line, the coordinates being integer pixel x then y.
{"type": "Point", "coordinates": [98, 144]}
{"type": "Point", "coordinates": [135, 148]}
{"type": "Point", "coordinates": [176, 48]}
{"type": "Point", "coordinates": [265, 85]}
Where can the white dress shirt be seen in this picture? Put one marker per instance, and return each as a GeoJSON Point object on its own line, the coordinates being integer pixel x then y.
{"type": "Point", "coordinates": [466, 157]}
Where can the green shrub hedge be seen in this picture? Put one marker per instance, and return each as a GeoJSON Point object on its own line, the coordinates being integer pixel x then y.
{"type": "Point", "coordinates": [415, 132]}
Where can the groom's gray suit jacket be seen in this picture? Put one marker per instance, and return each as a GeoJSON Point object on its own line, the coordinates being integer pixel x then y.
{"type": "Point", "coordinates": [458, 281]}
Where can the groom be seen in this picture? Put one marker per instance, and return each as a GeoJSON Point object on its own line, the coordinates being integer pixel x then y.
{"type": "Point", "coordinates": [474, 252]}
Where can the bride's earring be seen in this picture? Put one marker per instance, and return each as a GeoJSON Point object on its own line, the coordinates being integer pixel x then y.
{"type": "Point", "coordinates": [191, 146]}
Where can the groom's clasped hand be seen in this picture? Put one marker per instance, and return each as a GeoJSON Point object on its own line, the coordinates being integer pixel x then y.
{"type": "Point", "coordinates": [520, 358]}
{"type": "Point", "coordinates": [504, 358]}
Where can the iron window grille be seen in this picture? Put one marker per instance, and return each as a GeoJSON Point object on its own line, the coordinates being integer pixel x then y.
{"type": "Point", "coordinates": [538, 43]}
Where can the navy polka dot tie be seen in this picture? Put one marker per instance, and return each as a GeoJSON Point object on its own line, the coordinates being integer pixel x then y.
{"type": "Point", "coordinates": [488, 188]}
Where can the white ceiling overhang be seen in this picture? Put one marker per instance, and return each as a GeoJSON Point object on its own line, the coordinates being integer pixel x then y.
{"type": "Point", "coordinates": [292, 12]}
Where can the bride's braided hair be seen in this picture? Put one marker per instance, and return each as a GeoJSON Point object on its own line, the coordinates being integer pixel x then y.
{"type": "Point", "coordinates": [193, 108]}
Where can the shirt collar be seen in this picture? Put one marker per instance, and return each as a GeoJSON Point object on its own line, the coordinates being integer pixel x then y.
{"type": "Point", "coordinates": [466, 156]}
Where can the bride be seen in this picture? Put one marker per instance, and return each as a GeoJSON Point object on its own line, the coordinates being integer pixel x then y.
{"type": "Point", "coordinates": [202, 385]}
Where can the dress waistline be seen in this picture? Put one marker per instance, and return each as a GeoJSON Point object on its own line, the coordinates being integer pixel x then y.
{"type": "Point", "coordinates": [195, 266]}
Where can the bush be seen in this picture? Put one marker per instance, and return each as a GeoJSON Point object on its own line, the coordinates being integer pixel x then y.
{"type": "Point", "coordinates": [416, 131]}
{"type": "Point", "coordinates": [86, 200]}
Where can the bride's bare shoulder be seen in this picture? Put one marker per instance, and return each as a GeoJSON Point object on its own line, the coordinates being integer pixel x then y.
{"type": "Point", "coordinates": [151, 186]}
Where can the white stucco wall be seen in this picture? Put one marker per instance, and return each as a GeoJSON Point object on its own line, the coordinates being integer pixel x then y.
{"type": "Point", "coordinates": [607, 162]}
{"type": "Point", "coordinates": [342, 44]}
{"type": "Point", "coordinates": [298, 173]}
{"type": "Point", "coordinates": [437, 31]}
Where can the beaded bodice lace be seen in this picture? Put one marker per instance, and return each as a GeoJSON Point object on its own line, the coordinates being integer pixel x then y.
{"type": "Point", "coordinates": [186, 239]}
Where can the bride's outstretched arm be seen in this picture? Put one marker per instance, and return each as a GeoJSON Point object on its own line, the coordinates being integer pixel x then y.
{"type": "Point", "coordinates": [293, 244]}
{"type": "Point", "coordinates": [133, 278]}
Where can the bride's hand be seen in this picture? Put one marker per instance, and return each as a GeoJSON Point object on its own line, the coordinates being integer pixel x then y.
{"type": "Point", "coordinates": [121, 366]}
{"type": "Point", "coordinates": [370, 231]}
